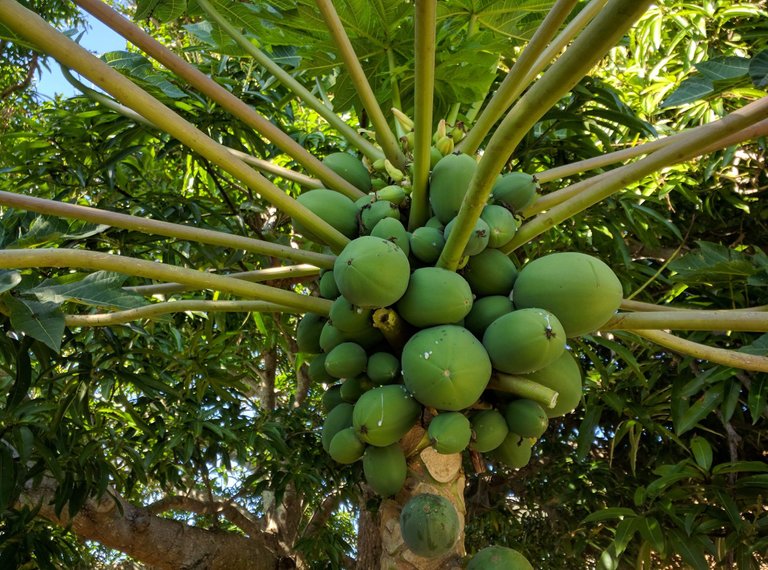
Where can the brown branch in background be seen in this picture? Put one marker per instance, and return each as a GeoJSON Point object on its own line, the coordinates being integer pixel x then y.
{"type": "Point", "coordinates": [34, 65]}
{"type": "Point", "coordinates": [209, 506]}
{"type": "Point", "coordinates": [268, 379]}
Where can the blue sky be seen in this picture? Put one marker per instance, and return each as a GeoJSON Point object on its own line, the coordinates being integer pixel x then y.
{"type": "Point", "coordinates": [98, 39]}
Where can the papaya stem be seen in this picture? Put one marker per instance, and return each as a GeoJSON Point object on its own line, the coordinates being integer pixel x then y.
{"type": "Point", "coordinates": [524, 388]}
{"type": "Point", "coordinates": [31, 26]}
{"type": "Point", "coordinates": [156, 310]}
{"type": "Point", "coordinates": [217, 93]}
{"type": "Point", "coordinates": [394, 84]}
{"type": "Point", "coordinates": [722, 356]}
{"type": "Point", "coordinates": [262, 165]}
{"type": "Point", "coordinates": [693, 320]}
{"type": "Point", "coordinates": [629, 305]}
{"type": "Point", "coordinates": [158, 227]}
{"type": "Point", "coordinates": [425, 19]}
{"type": "Point", "coordinates": [295, 86]}
{"type": "Point", "coordinates": [391, 326]}
{"type": "Point", "coordinates": [64, 257]}
{"type": "Point", "coordinates": [384, 134]}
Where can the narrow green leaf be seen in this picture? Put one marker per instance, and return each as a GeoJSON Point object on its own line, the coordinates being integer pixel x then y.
{"type": "Point", "coordinates": [758, 398]}
{"type": "Point", "coordinates": [686, 548]}
{"type": "Point", "coordinates": [700, 409]}
{"type": "Point", "coordinates": [609, 513]}
{"type": "Point", "coordinates": [740, 467]}
{"type": "Point", "coordinates": [625, 531]}
{"type": "Point", "coordinates": [651, 530]}
{"type": "Point", "coordinates": [702, 452]}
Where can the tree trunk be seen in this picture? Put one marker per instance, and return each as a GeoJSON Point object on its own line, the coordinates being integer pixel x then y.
{"type": "Point", "coordinates": [428, 472]}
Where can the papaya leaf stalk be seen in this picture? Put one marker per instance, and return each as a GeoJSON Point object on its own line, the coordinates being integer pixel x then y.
{"type": "Point", "coordinates": [693, 320]}
{"type": "Point", "coordinates": [159, 227]}
{"type": "Point", "coordinates": [217, 93]}
{"type": "Point", "coordinates": [524, 388]}
{"type": "Point", "coordinates": [31, 26]}
{"type": "Point", "coordinates": [63, 257]}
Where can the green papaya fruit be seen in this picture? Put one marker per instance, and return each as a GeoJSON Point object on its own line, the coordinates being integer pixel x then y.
{"type": "Point", "coordinates": [334, 208]}
{"type": "Point", "coordinates": [449, 183]}
{"type": "Point", "coordinates": [338, 418]}
{"type": "Point", "coordinates": [345, 447]}
{"type": "Point", "coordinates": [564, 377]}
{"type": "Point", "coordinates": [478, 239]}
{"type": "Point", "coordinates": [427, 244]}
{"type": "Point", "coordinates": [331, 398]}
{"type": "Point", "coordinates": [435, 296]}
{"type": "Point", "coordinates": [515, 190]}
{"type": "Point", "coordinates": [383, 368]}
{"type": "Point", "coordinates": [350, 168]}
{"type": "Point", "coordinates": [330, 336]}
{"type": "Point", "coordinates": [514, 451]}
{"type": "Point", "coordinates": [526, 417]}
{"type": "Point", "coordinates": [393, 193]}
{"type": "Point", "coordinates": [317, 373]}
{"type": "Point", "coordinates": [308, 333]}
{"type": "Point", "coordinates": [434, 222]}
{"type": "Point", "coordinates": [346, 360]}
{"type": "Point", "coordinates": [502, 225]}
{"type": "Point", "coordinates": [486, 310]}
{"type": "Point", "coordinates": [489, 428]}
{"type": "Point", "coordinates": [385, 469]}
{"type": "Point", "coordinates": [449, 432]}
{"type": "Point", "coordinates": [524, 341]}
{"type": "Point", "coordinates": [327, 285]}
{"type": "Point", "coordinates": [373, 213]}
{"type": "Point", "coordinates": [354, 387]}
{"type": "Point", "coordinates": [434, 156]}
{"type": "Point", "coordinates": [445, 367]}
{"type": "Point", "coordinates": [348, 318]}
{"type": "Point", "coordinates": [580, 290]}
{"type": "Point", "coordinates": [393, 230]}
{"type": "Point", "coordinates": [384, 414]}
{"type": "Point", "coordinates": [429, 525]}
{"type": "Point", "coordinates": [372, 272]}
{"type": "Point", "coordinates": [499, 558]}
{"type": "Point", "coordinates": [490, 272]}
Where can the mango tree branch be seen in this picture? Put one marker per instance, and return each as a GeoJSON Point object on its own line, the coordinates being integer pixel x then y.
{"type": "Point", "coordinates": [158, 227]}
{"type": "Point", "coordinates": [291, 83]}
{"type": "Point", "coordinates": [722, 356]}
{"type": "Point", "coordinates": [31, 26]}
{"type": "Point", "coordinates": [165, 308]}
{"type": "Point", "coordinates": [384, 134]}
{"type": "Point", "coordinates": [693, 320]}
{"type": "Point", "coordinates": [603, 185]}
{"type": "Point", "coordinates": [513, 84]}
{"type": "Point", "coordinates": [424, 47]}
{"type": "Point", "coordinates": [262, 165]}
{"type": "Point", "coordinates": [61, 257]}
{"type": "Point", "coordinates": [217, 93]}
{"type": "Point", "coordinates": [599, 37]}
{"type": "Point", "coordinates": [269, 274]}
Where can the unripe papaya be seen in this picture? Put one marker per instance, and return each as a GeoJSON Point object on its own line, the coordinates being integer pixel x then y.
{"type": "Point", "coordinates": [393, 230]}
{"type": "Point", "coordinates": [394, 193]}
{"type": "Point", "coordinates": [445, 367]}
{"type": "Point", "coordinates": [345, 447]}
{"type": "Point", "coordinates": [502, 225]}
{"type": "Point", "coordinates": [334, 208]}
{"type": "Point", "coordinates": [327, 285]}
{"type": "Point", "coordinates": [317, 373]}
{"type": "Point", "coordinates": [331, 398]}
{"type": "Point", "coordinates": [348, 318]}
{"type": "Point", "coordinates": [449, 183]}
{"type": "Point", "coordinates": [435, 296]}
{"type": "Point", "coordinates": [580, 290]}
{"type": "Point", "coordinates": [354, 387]}
{"type": "Point", "coordinates": [514, 451]}
{"type": "Point", "coordinates": [308, 333]}
{"type": "Point", "coordinates": [384, 414]}
{"type": "Point", "coordinates": [427, 244]}
{"type": "Point", "coordinates": [429, 525]}
{"type": "Point", "coordinates": [486, 310]}
{"type": "Point", "coordinates": [564, 377]}
{"type": "Point", "coordinates": [489, 428]}
{"type": "Point", "coordinates": [346, 360]}
{"type": "Point", "coordinates": [330, 337]}
{"type": "Point", "coordinates": [515, 190]}
{"type": "Point", "coordinates": [338, 418]}
{"type": "Point", "coordinates": [385, 468]}
{"type": "Point", "coordinates": [526, 417]}
{"type": "Point", "coordinates": [350, 169]}
{"type": "Point", "coordinates": [434, 156]}
{"type": "Point", "coordinates": [434, 222]}
{"type": "Point", "coordinates": [449, 432]}
{"type": "Point", "coordinates": [490, 272]}
{"type": "Point", "coordinates": [478, 239]}
{"type": "Point", "coordinates": [383, 368]}
{"type": "Point", "coordinates": [524, 341]}
{"type": "Point", "coordinates": [376, 211]}
{"type": "Point", "coordinates": [499, 558]}
{"type": "Point", "coordinates": [372, 272]}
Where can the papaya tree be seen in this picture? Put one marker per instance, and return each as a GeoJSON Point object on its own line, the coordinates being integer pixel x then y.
{"type": "Point", "coordinates": [434, 220]}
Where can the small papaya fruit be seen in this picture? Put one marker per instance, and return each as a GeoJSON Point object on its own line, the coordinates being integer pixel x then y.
{"type": "Point", "coordinates": [385, 469]}
{"type": "Point", "coordinates": [449, 183]}
{"type": "Point", "coordinates": [514, 451]}
{"type": "Point", "coordinates": [383, 368]}
{"type": "Point", "coordinates": [345, 447]}
{"type": "Point", "coordinates": [435, 296]}
{"type": "Point", "coordinates": [526, 417]}
{"type": "Point", "coordinates": [486, 310]}
{"type": "Point", "coordinates": [331, 398]}
{"type": "Point", "coordinates": [515, 190]}
{"type": "Point", "coordinates": [449, 432]}
{"type": "Point", "coordinates": [354, 387]}
{"type": "Point", "coordinates": [489, 428]}
{"type": "Point", "coordinates": [346, 360]}
{"type": "Point", "coordinates": [308, 333]}
{"type": "Point", "coordinates": [373, 213]}
{"type": "Point", "coordinates": [427, 244]}
{"type": "Point", "coordinates": [334, 208]}
{"type": "Point", "coordinates": [393, 230]}
{"type": "Point", "coordinates": [429, 525]}
{"type": "Point", "coordinates": [327, 285]}
{"type": "Point", "coordinates": [478, 239]}
{"type": "Point", "coordinates": [490, 272]}
{"type": "Point", "coordinates": [502, 225]}
{"type": "Point", "coordinates": [384, 414]}
{"type": "Point", "coordinates": [348, 318]}
{"type": "Point", "coordinates": [338, 418]}
{"type": "Point", "coordinates": [564, 377]}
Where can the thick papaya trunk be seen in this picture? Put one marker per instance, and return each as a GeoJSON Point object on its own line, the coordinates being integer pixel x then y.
{"type": "Point", "coordinates": [428, 472]}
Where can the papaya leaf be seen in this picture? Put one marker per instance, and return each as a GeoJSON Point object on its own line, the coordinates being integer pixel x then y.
{"type": "Point", "coordinates": [161, 10]}
{"type": "Point", "coordinates": [758, 69]}
{"type": "Point", "coordinates": [41, 321]}
{"type": "Point", "coordinates": [99, 289]}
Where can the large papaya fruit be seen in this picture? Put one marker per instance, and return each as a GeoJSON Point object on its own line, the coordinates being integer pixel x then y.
{"type": "Point", "coordinates": [372, 272]}
{"type": "Point", "coordinates": [384, 414]}
{"type": "Point", "coordinates": [350, 168]}
{"type": "Point", "coordinates": [336, 209]}
{"type": "Point", "coordinates": [430, 525]}
{"type": "Point", "coordinates": [435, 296]}
{"type": "Point", "coordinates": [580, 290]}
{"type": "Point", "coordinates": [449, 183]}
{"type": "Point", "coordinates": [499, 558]}
{"type": "Point", "coordinates": [385, 468]}
{"type": "Point", "coordinates": [445, 367]}
{"type": "Point", "coordinates": [564, 377]}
